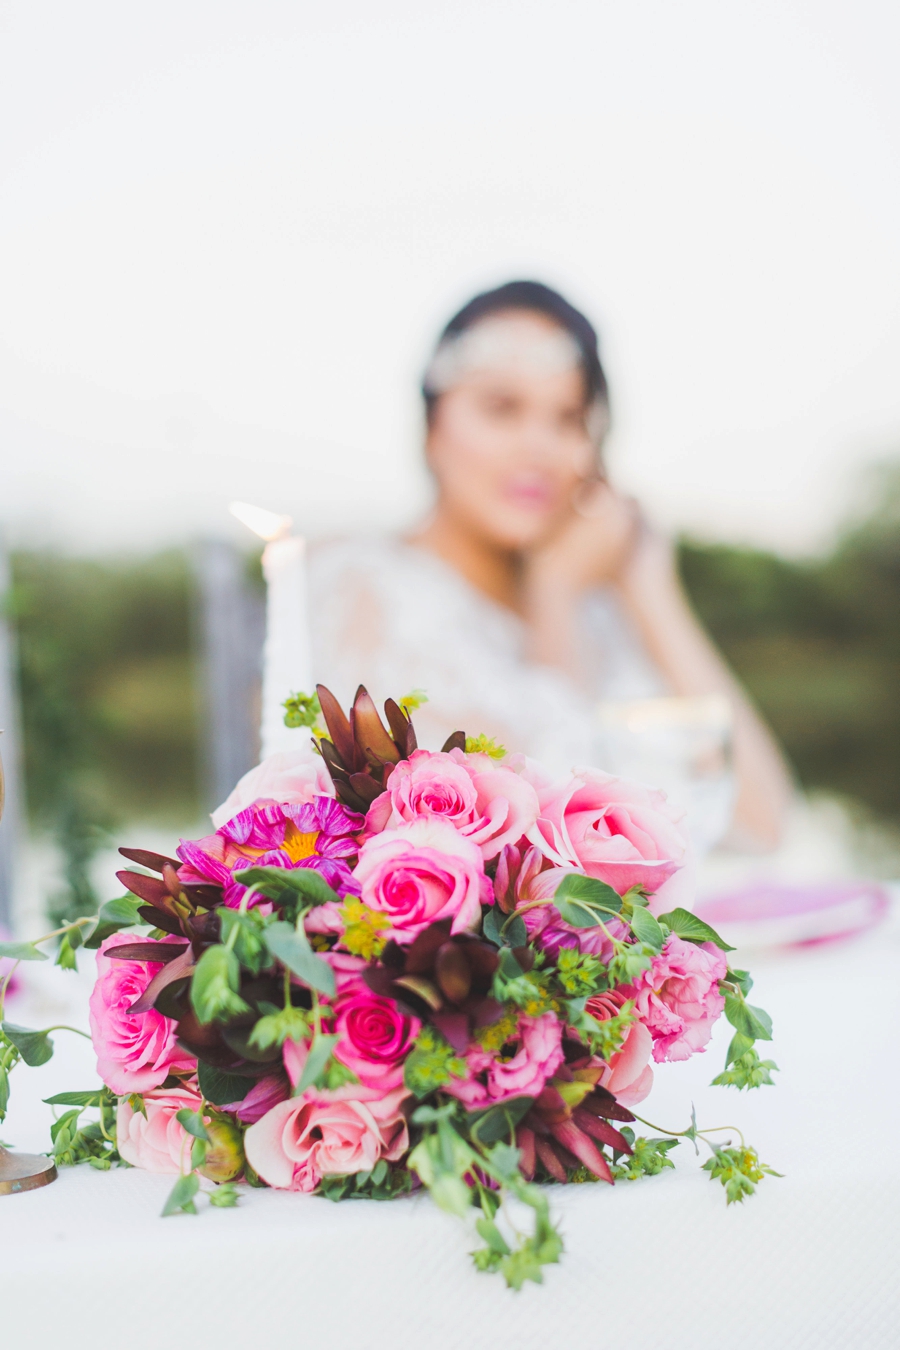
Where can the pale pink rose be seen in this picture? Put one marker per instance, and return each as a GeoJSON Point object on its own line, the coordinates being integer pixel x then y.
{"type": "Point", "coordinates": [678, 997]}
{"type": "Point", "coordinates": [486, 802]}
{"type": "Point", "coordinates": [134, 1053]}
{"type": "Point", "coordinates": [157, 1142]}
{"type": "Point", "coordinates": [421, 873]}
{"type": "Point", "coordinates": [295, 776]}
{"type": "Point", "coordinates": [621, 833]}
{"type": "Point", "coordinates": [301, 1141]}
{"type": "Point", "coordinates": [490, 1079]}
{"type": "Point", "coordinates": [628, 1075]}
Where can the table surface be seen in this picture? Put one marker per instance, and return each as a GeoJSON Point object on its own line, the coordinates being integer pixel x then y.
{"type": "Point", "coordinates": [810, 1261]}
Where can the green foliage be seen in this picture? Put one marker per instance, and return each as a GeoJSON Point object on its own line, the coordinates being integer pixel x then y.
{"type": "Point", "coordinates": [288, 1024]}
{"type": "Point", "coordinates": [649, 1158]}
{"type": "Point", "coordinates": [291, 947]}
{"type": "Point", "coordinates": [22, 951]}
{"type": "Point", "coordinates": [818, 645]}
{"type": "Point", "coordinates": [384, 1182]}
{"type": "Point", "coordinates": [34, 1047]}
{"type": "Point", "coordinates": [485, 745]}
{"type": "Point", "coordinates": [290, 888]}
{"type": "Point", "coordinates": [647, 930]}
{"type": "Point", "coordinates": [113, 916]}
{"type": "Point", "coordinates": [582, 901]}
{"type": "Point", "coordinates": [225, 1196]}
{"type": "Point", "coordinates": [215, 984]}
{"type": "Point", "coordinates": [413, 701]}
{"type": "Point", "coordinates": [219, 1087]}
{"type": "Point", "coordinates": [747, 1071]}
{"type": "Point", "coordinates": [630, 961]}
{"type": "Point", "coordinates": [578, 974]}
{"type": "Point", "coordinates": [106, 681]}
{"type": "Point", "coordinates": [754, 1023]}
{"type": "Point", "coordinates": [243, 933]}
{"type": "Point", "coordinates": [739, 1171]}
{"type": "Point", "coordinates": [181, 1196]}
{"type": "Point", "coordinates": [504, 930]}
{"type": "Point", "coordinates": [686, 925]}
{"type": "Point", "coordinates": [93, 1141]}
{"type": "Point", "coordinates": [302, 710]}
{"type": "Point", "coordinates": [431, 1063]}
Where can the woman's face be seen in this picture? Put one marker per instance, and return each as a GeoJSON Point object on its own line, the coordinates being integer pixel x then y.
{"type": "Point", "coordinates": [509, 445]}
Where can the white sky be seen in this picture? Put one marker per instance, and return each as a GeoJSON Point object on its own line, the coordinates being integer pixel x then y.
{"type": "Point", "coordinates": [229, 231]}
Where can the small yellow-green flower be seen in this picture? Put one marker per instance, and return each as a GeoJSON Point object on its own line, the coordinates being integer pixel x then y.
{"type": "Point", "coordinates": [363, 929]}
{"type": "Point", "coordinates": [485, 745]}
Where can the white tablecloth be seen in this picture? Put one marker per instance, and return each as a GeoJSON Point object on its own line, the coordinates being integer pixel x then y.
{"type": "Point", "coordinates": [810, 1261]}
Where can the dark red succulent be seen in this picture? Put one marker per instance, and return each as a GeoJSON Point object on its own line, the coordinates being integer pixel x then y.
{"type": "Point", "coordinates": [443, 979]}
{"type": "Point", "coordinates": [566, 1122]}
{"type": "Point", "coordinates": [361, 751]}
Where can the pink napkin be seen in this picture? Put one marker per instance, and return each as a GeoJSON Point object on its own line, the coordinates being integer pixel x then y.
{"type": "Point", "coordinates": [773, 914]}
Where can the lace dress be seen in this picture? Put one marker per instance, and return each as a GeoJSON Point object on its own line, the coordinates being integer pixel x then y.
{"type": "Point", "coordinates": [396, 618]}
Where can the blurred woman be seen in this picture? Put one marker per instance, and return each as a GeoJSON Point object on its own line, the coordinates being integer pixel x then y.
{"type": "Point", "coordinates": [533, 590]}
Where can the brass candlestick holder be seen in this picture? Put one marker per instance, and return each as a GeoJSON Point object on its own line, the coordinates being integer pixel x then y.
{"type": "Point", "coordinates": [22, 1171]}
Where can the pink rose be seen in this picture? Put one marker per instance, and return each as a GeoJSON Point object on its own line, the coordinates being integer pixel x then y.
{"type": "Point", "coordinates": [134, 1053]}
{"type": "Point", "coordinates": [678, 997]}
{"type": "Point", "coordinates": [421, 873]}
{"type": "Point", "coordinates": [628, 1075]}
{"type": "Point", "coordinates": [157, 1142]}
{"type": "Point", "coordinates": [295, 776]}
{"type": "Point", "coordinates": [491, 1079]}
{"type": "Point", "coordinates": [300, 1141]}
{"type": "Point", "coordinates": [621, 833]}
{"type": "Point", "coordinates": [487, 803]}
{"type": "Point", "coordinates": [375, 1037]}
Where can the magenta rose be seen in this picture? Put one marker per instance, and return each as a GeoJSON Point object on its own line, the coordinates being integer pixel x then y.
{"type": "Point", "coordinates": [678, 998]}
{"type": "Point", "coordinates": [376, 1036]}
{"type": "Point", "coordinates": [134, 1053]}
{"type": "Point", "coordinates": [300, 1141]}
{"type": "Point", "coordinates": [157, 1142]}
{"type": "Point", "coordinates": [421, 873]}
{"type": "Point", "coordinates": [489, 804]}
{"type": "Point", "coordinates": [621, 833]}
{"type": "Point", "coordinates": [491, 1079]}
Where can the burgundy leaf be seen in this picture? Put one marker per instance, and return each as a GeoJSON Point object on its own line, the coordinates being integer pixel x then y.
{"type": "Point", "coordinates": [584, 1149]}
{"type": "Point", "coordinates": [146, 951]}
{"type": "Point", "coordinates": [339, 729]}
{"type": "Point", "coordinates": [526, 1142]}
{"type": "Point", "coordinates": [454, 1027]}
{"type": "Point", "coordinates": [603, 1103]}
{"type": "Point", "coordinates": [148, 888]}
{"type": "Point", "coordinates": [422, 950]}
{"type": "Point", "coordinates": [548, 1157]}
{"type": "Point", "coordinates": [144, 858]}
{"type": "Point", "coordinates": [484, 1011]}
{"type": "Point", "coordinates": [175, 970]}
{"type": "Point", "coordinates": [455, 742]}
{"type": "Point", "coordinates": [452, 972]}
{"type": "Point", "coordinates": [398, 723]}
{"type": "Point", "coordinates": [369, 732]}
{"type": "Point", "coordinates": [170, 878]}
{"type": "Point", "coordinates": [159, 918]}
{"type": "Point", "coordinates": [600, 1129]}
{"type": "Point", "coordinates": [366, 787]}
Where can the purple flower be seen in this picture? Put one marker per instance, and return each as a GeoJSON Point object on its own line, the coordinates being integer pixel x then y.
{"type": "Point", "coordinates": [319, 834]}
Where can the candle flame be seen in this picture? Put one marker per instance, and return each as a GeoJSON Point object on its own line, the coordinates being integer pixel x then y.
{"type": "Point", "coordinates": [267, 524]}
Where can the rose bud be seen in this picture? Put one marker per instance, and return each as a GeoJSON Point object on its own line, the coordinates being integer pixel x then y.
{"type": "Point", "coordinates": [225, 1151]}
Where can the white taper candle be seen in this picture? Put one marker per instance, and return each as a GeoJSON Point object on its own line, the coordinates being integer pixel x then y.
{"type": "Point", "coordinates": [287, 661]}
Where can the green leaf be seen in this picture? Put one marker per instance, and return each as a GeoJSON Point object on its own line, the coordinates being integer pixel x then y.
{"type": "Point", "coordinates": [686, 925]}
{"type": "Point", "coordinates": [498, 1122]}
{"type": "Point", "coordinates": [647, 930]}
{"type": "Point", "coordinates": [288, 885]}
{"type": "Point", "coordinates": [318, 1057]}
{"type": "Point", "coordinates": [115, 914]}
{"type": "Point", "coordinates": [215, 985]}
{"type": "Point", "coordinates": [753, 1022]}
{"type": "Point", "coordinates": [225, 1196]}
{"type": "Point", "coordinates": [575, 887]}
{"type": "Point", "coordinates": [742, 979]}
{"type": "Point", "coordinates": [92, 1098]}
{"type": "Point", "coordinates": [4, 1092]}
{"type": "Point", "coordinates": [198, 1153]}
{"type": "Point", "coordinates": [243, 933]}
{"type": "Point", "coordinates": [222, 1088]}
{"type": "Point", "coordinates": [22, 951]}
{"type": "Point", "coordinates": [65, 953]}
{"type": "Point", "coordinates": [291, 947]}
{"type": "Point", "coordinates": [35, 1047]}
{"type": "Point", "coordinates": [192, 1121]}
{"type": "Point", "coordinates": [747, 1071]}
{"type": "Point", "coordinates": [181, 1197]}
{"type": "Point", "coordinates": [740, 1044]}
{"type": "Point", "coordinates": [492, 1236]}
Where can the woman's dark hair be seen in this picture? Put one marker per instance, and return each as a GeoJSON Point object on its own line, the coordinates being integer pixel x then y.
{"type": "Point", "coordinates": [532, 295]}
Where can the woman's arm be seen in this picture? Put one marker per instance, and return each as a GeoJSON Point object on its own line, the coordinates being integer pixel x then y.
{"type": "Point", "coordinates": [608, 544]}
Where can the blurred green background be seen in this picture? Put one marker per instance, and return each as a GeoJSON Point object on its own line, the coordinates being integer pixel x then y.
{"type": "Point", "coordinates": [109, 690]}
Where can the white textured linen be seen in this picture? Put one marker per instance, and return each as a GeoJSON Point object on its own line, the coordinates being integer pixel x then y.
{"type": "Point", "coordinates": [809, 1263]}
{"type": "Point", "coordinates": [395, 618]}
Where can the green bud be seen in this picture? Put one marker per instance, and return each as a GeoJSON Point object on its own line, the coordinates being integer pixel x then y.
{"type": "Point", "coordinates": [225, 1152]}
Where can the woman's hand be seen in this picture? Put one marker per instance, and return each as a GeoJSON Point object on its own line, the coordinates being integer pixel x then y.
{"type": "Point", "coordinates": [592, 548]}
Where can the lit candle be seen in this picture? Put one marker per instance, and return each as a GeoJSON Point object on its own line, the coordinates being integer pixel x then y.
{"type": "Point", "coordinates": [287, 664]}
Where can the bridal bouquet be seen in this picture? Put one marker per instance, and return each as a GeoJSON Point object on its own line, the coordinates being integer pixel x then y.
{"type": "Point", "coordinates": [391, 968]}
